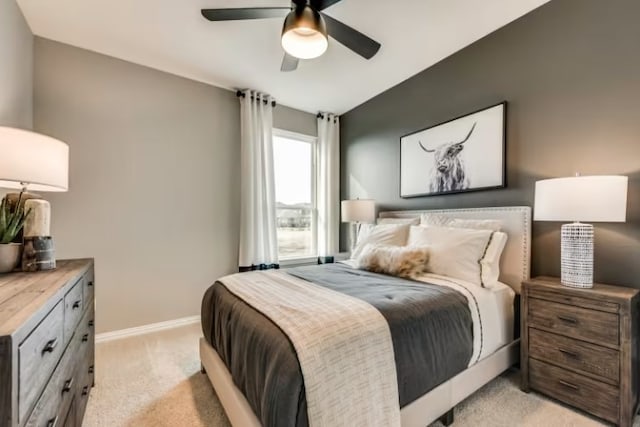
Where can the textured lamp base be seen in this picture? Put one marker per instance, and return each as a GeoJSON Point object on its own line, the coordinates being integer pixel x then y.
{"type": "Point", "coordinates": [576, 249]}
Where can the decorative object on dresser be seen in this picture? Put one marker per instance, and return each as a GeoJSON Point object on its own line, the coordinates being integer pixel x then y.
{"type": "Point", "coordinates": [463, 154]}
{"type": "Point", "coordinates": [357, 212]}
{"type": "Point", "coordinates": [39, 163]}
{"type": "Point", "coordinates": [47, 345]}
{"type": "Point", "coordinates": [580, 198]}
{"type": "Point", "coordinates": [580, 346]}
{"type": "Point", "coordinates": [11, 223]}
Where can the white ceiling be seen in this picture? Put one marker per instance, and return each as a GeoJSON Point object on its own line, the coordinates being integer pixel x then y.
{"type": "Point", "coordinates": [172, 36]}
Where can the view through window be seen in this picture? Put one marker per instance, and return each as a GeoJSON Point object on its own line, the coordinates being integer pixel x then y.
{"type": "Point", "coordinates": [295, 208]}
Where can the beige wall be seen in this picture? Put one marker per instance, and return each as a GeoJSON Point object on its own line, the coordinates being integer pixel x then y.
{"type": "Point", "coordinates": [295, 120]}
{"type": "Point", "coordinates": [16, 67]}
{"type": "Point", "coordinates": [154, 180]}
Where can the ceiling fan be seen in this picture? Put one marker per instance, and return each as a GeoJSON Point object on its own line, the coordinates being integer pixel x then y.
{"type": "Point", "coordinates": [305, 29]}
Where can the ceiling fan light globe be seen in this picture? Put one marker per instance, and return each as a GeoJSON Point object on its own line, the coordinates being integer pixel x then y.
{"type": "Point", "coordinates": [304, 46]}
{"type": "Point", "coordinates": [304, 34]}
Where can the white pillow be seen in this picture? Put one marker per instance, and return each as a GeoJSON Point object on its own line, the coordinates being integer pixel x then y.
{"type": "Point", "coordinates": [410, 221]}
{"type": "Point", "coordinates": [454, 252]}
{"type": "Point", "coordinates": [490, 263]}
{"type": "Point", "coordinates": [384, 234]}
{"type": "Point", "coordinates": [476, 224]}
{"type": "Point", "coordinates": [401, 261]}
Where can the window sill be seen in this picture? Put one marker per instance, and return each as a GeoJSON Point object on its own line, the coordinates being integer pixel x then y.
{"type": "Point", "coordinates": [298, 262]}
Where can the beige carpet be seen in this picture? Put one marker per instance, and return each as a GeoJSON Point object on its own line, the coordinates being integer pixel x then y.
{"type": "Point", "coordinates": [154, 380]}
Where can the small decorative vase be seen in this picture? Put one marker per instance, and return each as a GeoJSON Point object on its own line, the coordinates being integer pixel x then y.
{"type": "Point", "coordinates": [10, 254]}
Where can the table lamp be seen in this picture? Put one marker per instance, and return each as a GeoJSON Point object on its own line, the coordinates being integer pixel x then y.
{"type": "Point", "coordinates": [35, 162]}
{"type": "Point", "coordinates": [580, 198]}
{"type": "Point", "coordinates": [356, 212]}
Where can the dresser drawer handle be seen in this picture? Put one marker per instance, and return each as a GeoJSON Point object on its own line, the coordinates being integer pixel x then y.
{"type": "Point", "coordinates": [91, 369]}
{"type": "Point", "coordinates": [53, 422]}
{"type": "Point", "coordinates": [76, 304]}
{"type": "Point", "coordinates": [50, 346]}
{"type": "Point", "coordinates": [90, 283]}
{"type": "Point", "coordinates": [567, 319]}
{"type": "Point", "coordinates": [568, 353]}
{"type": "Point", "coordinates": [85, 338]}
{"type": "Point", "coordinates": [90, 323]}
{"type": "Point", "coordinates": [568, 385]}
{"type": "Point", "coordinates": [85, 390]}
{"type": "Point", "coordinates": [67, 385]}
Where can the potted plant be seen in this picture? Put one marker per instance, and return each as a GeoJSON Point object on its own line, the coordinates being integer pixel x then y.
{"type": "Point", "coordinates": [11, 223]}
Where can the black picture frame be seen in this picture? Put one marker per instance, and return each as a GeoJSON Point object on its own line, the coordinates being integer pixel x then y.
{"type": "Point", "coordinates": [489, 131]}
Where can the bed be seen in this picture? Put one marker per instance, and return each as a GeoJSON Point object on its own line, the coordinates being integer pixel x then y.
{"type": "Point", "coordinates": [252, 373]}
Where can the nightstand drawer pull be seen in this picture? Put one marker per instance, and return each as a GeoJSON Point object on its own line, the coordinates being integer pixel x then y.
{"type": "Point", "coordinates": [76, 304]}
{"type": "Point", "coordinates": [568, 385]}
{"type": "Point", "coordinates": [85, 338]}
{"type": "Point", "coordinates": [50, 346]}
{"type": "Point", "coordinates": [567, 319]}
{"type": "Point", "coordinates": [85, 390]}
{"type": "Point", "coordinates": [568, 353]}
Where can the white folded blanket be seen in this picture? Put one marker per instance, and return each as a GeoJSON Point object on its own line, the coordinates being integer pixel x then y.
{"type": "Point", "coordinates": [343, 345]}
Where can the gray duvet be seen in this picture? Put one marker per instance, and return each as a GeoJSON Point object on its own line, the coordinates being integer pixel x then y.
{"type": "Point", "coordinates": [431, 329]}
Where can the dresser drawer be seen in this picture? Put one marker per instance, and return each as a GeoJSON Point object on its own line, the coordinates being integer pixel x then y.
{"type": "Point", "coordinates": [73, 309]}
{"type": "Point", "coordinates": [577, 322]}
{"type": "Point", "coordinates": [574, 354]}
{"type": "Point", "coordinates": [38, 355]}
{"type": "Point", "coordinates": [54, 403]}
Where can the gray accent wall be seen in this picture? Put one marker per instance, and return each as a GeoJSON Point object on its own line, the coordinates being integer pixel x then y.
{"type": "Point", "coordinates": [570, 72]}
{"type": "Point", "coordinates": [16, 67]}
{"type": "Point", "coordinates": [154, 180]}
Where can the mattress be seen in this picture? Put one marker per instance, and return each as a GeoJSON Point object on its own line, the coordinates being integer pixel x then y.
{"type": "Point", "coordinates": [264, 366]}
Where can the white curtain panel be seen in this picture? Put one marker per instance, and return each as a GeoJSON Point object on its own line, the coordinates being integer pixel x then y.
{"type": "Point", "coordinates": [328, 183]}
{"type": "Point", "coordinates": [258, 239]}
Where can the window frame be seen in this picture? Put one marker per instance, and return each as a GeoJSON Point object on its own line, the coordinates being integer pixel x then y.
{"type": "Point", "coordinates": [313, 141]}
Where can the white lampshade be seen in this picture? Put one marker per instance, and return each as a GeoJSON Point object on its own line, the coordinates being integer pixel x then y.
{"type": "Point", "coordinates": [359, 210]}
{"type": "Point", "coordinates": [34, 160]}
{"type": "Point", "coordinates": [582, 198]}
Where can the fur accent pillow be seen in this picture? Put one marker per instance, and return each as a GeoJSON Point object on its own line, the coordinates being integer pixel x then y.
{"type": "Point", "coordinates": [402, 261]}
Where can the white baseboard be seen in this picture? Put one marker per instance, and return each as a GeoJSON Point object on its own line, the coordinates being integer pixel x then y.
{"type": "Point", "coordinates": [146, 329]}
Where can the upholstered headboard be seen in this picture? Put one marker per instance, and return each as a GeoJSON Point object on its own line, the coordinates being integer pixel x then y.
{"type": "Point", "coordinates": [516, 222]}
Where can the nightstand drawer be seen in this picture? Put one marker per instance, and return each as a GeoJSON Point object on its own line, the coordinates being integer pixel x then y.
{"type": "Point", "coordinates": [577, 322]}
{"type": "Point", "coordinates": [574, 354]}
{"type": "Point", "coordinates": [590, 395]}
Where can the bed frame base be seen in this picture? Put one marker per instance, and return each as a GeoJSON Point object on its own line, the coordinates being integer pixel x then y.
{"type": "Point", "coordinates": [419, 413]}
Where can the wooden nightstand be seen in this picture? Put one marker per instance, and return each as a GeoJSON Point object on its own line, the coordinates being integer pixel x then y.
{"type": "Point", "coordinates": [580, 346]}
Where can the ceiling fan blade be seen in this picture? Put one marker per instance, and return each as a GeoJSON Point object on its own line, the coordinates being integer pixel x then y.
{"type": "Point", "coordinates": [323, 4]}
{"type": "Point", "coordinates": [289, 63]}
{"type": "Point", "coordinates": [245, 13]}
{"type": "Point", "coordinates": [353, 39]}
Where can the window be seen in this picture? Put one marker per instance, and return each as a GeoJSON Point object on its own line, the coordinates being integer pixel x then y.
{"type": "Point", "coordinates": [294, 160]}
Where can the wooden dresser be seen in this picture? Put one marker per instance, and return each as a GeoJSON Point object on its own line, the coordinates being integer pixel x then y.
{"type": "Point", "coordinates": [46, 345]}
{"type": "Point", "coordinates": [580, 346]}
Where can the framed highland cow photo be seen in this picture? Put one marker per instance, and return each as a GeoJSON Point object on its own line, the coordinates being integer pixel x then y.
{"type": "Point", "coordinates": [463, 154]}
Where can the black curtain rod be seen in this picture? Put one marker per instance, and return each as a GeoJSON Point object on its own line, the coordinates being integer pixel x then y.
{"type": "Point", "coordinates": [321, 116]}
{"type": "Point", "coordinates": [241, 94]}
